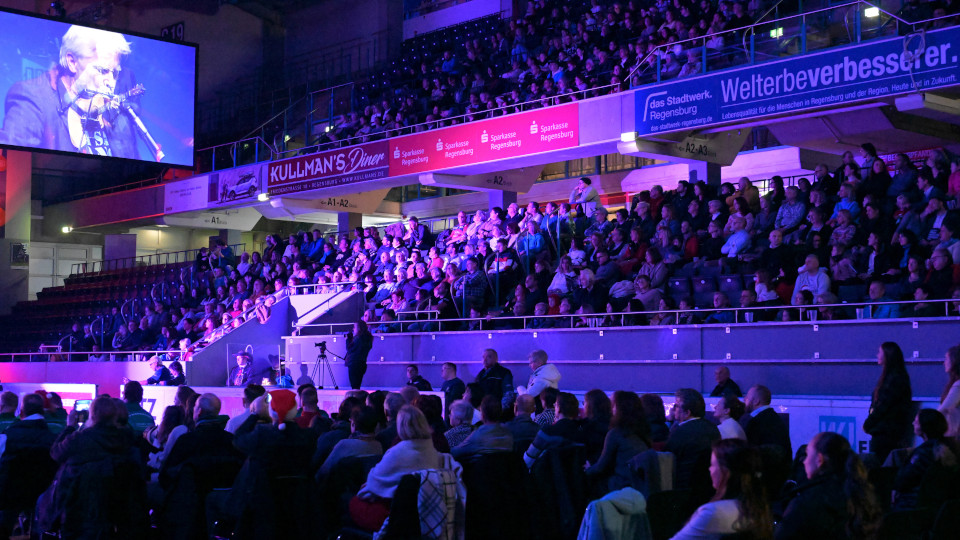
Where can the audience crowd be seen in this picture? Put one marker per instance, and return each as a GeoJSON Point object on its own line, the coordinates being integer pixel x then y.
{"type": "Point", "coordinates": [557, 52]}
{"type": "Point", "coordinates": [112, 471]}
{"type": "Point", "coordinates": [865, 232]}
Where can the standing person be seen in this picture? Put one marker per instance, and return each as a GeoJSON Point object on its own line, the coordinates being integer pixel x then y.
{"type": "Point", "coordinates": [494, 379]}
{"type": "Point", "coordinates": [950, 397]}
{"type": "Point", "coordinates": [359, 343]}
{"type": "Point", "coordinates": [889, 422]}
{"type": "Point", "coordinates": [838, 501]}
{"type": "Point", "coordinates": [739, 506]}
{"type": "Point", "coordinates": [452, 386]}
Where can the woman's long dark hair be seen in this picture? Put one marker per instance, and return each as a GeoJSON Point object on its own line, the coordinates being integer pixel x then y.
{"type": "Point", "coordinates": [840, 460]}
{"type": "Point", "coordinates": [629, 415]}
{"type": "Point", "coordinates": [598, 406]}
{"type": "Point", "coordinates": [954, 374]}
{"type": "Point", "coordinates": [745, 484]}
{"type": "Point", "coordinates": [173, 416]}
{"type": "Point", "coordinates": [363, 329]}
{"type": "Point", "coordinates": [893, 365]}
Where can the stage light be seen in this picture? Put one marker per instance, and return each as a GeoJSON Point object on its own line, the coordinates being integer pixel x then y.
{"type": "Point", "coordinates": [871, 12]}
{"type": "Point", "coordinates": [66, 229]}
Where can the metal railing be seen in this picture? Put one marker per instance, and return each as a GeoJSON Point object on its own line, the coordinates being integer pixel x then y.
{"type": "Point", "coordinates": [805, 313]}
{"type": "Point", "coordinates": [247, 151]}
{"type": "Point", "coordinates": [172, 257]}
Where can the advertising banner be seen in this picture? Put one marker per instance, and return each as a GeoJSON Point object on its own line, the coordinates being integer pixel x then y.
{"type": "Point", "coordinates": [186, 195]}
{"type": "Point", "coordinates": [504, 137]}
{"type": "Point", "coordinates": [328, 169]}
{"type": "Point", "coordinates": [836, 77]}
{"type": "Point", "coordinates": [236, 185]}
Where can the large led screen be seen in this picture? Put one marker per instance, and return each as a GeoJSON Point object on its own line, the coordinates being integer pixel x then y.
{"type": "Point", "coordinates": [85, 90]}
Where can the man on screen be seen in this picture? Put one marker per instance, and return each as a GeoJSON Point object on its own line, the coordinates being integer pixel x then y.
{"type": "Point", "coordinates": [74, 106]}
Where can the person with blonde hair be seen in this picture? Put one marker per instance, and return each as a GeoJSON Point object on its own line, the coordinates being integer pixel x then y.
{"type": "Point", "coordinates": [414, 452]}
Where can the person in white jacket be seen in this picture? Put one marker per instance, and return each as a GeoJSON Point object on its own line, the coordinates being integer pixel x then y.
{"type": "Point", "coordinates": [544, 375]}
{"type": "Point", "coordinates": [811, 278]}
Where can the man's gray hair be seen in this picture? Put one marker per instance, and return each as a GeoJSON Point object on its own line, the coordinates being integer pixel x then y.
{"type": "Point", "coordinates": [461, 410]}
{"type": "Point", "coordinates": [539, 356]}
{"type": "Point", "coordinates": [208, 405]}
{"type": "Point", "coordinates": [83, 42]}
{"type": "Point", "coordinates": [392, 404]}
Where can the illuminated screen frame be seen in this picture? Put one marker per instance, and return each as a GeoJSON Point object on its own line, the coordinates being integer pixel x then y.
{"type": "Point", "coordinates": [182, 155]}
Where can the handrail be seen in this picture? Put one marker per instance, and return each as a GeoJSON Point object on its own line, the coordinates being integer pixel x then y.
{"type": "Point", "coordinates": [808, 313]}
{"type": "Point", "coordinates": [245, 315]}
{"type": "Point", "coordinates": [97, 267]}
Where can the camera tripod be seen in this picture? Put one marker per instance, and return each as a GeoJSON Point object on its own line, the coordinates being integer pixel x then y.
{"type": "Point", "coordinates": [322, 359]}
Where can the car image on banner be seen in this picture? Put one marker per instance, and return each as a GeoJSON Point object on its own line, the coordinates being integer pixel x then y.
{"type": "Point", "coordinates": [233, 187]}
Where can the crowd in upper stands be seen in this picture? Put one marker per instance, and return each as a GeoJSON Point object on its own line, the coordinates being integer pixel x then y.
{"type": "Point", "coordinates": [556, 52]}
{"type": "Point", "coordinates": [863, 232]}
{"type": "Point", "coordinates": [486, 457]}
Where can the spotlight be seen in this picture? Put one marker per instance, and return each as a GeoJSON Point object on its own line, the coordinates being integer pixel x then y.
{"type": "Point", "coordinates": [871, 12]}
{"type": "Point", "coordinates": [66, 229]}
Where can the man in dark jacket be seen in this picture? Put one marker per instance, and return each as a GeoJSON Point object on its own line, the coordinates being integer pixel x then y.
{"type": "Point", "coordinates": [139, 419]}
{"type": "Point", "coordinates": [496, 380]}
{"type": "Point", "coordinates": [208, 439]}
{"type": "Point", "coordinates": [691, 440]}
{"type": "Point", "coordinates": [25, 468]}
{"type": "Point", "coordinates": [761, 423]}
{"type": "Point", "coordinates": [416, 380]}
{"type": "Point", "coordinates": [522, 427]}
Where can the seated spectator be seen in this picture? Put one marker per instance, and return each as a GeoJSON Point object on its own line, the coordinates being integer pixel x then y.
{"type": "Point", "coordinates": [172, 426]}
{"type": "Point", "coordinates": [490, 437]}
{"type": "Point", "coordinates": [565, 430]}
{"type": "Point", "coordinates": [342, 428]}
{"type": "Point", "coordinates": [728, 410]}
{"type": "Point", "coordinates": [543, 376]}
{"type": "Point", "coordinates": [391, 408]}
{"type": "Point", "coordinates": [461, 422]}
{"type": "Point", "coordinates": [724, 316]}
{"type": "Point", "coordinates": [629, 435]}
{"type": "Point", "coordinates": [937, 449]}
{"type": "Point", "coordinates": [138, 419]}
{"type": "Point", "coordinates": [548, 402]}
{"type": "Point", "coordinates": [762, 424]}
{"type": "Point", "coordinates": [361, 443]}
{"type": "Point", "coordinates": [250, 393]}
{"type": "Point", "coordinates": [416, 380]}
{"type": "Point", "coordinates": [522, 426]}
{"type": "Point", "coordinates": [81, 454]}
{"type": "Point", "coordinates": [878, 297]}
{"type": "Point", "coordinates": [22, 440]}
{"type": "Point", "coordinates": [414, 452]}
{"type": "Point", "coordinates": [811, 278]}
{"type": "Point", "coordinates": [838, 496]}
{"type": "Point", "coordinates": [739, 505]}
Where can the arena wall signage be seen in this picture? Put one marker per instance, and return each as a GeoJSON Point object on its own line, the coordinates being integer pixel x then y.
{"type": "Point", "coordinates": [522, 134]}
{"type": "Point", "coordinates": [338, 167]}
{"type": "Point", "coordinates": [868, 71]}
